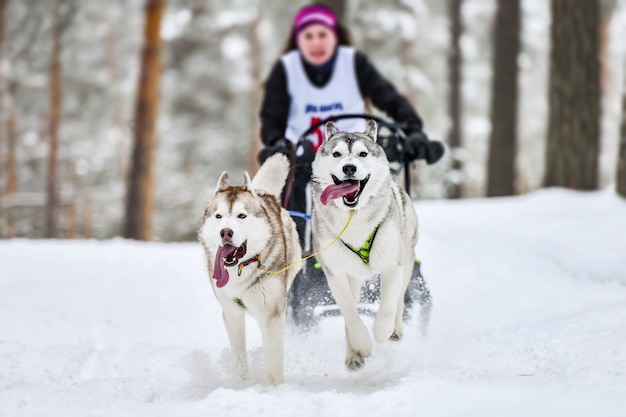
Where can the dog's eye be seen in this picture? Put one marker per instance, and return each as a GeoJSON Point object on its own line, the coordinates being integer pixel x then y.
{"type": "Point", "coordinates": [363, 154]}
{"type": "Point", "coordinates": [241, 216]}
{"type": "Point", "coordinates": [336, 154]}
{"type": "Point", "coordinates": [218, 216]}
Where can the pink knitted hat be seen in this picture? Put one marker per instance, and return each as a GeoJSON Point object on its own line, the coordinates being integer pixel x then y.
{"type": "Point", "coordinates": [314, 14]}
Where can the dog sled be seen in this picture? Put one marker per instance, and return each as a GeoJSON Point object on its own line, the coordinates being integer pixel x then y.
{"type": "Point", "coordinates": [310, 298]}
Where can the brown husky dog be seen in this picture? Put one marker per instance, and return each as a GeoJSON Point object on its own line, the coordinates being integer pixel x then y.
{"type": "Point", "coordinates": [248, 239]}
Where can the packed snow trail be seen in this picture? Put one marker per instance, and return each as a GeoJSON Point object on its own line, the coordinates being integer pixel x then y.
{"type": "Point", "coordinates": [529, 319]}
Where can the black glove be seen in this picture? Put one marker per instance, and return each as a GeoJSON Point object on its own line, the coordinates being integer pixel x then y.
{"type": "Point", "coordinates": [282, 145]}
{"type": "Point", "coordinates": [394, 147]}
{"type": "Point", "coordinates": [419, 147]}
{"type": "Point", "coordinates": [307, 154]}
{"type": "Point", "coordinates": [304, 159]}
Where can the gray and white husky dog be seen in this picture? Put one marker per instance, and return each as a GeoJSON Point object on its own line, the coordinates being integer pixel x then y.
{"type": "Point", "coordinates": [351, 173]}
{"type": "Point", "coordinates": [245, 234]}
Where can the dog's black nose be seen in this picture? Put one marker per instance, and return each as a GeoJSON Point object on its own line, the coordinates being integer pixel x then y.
{"type": "Point", "coordinates": [349, 169]}
{"type": "Point", "coordinates": [226, 234]}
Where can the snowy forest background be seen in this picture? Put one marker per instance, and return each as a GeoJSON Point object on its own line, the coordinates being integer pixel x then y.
{"type": "Point", "coordinates": [215, 56]}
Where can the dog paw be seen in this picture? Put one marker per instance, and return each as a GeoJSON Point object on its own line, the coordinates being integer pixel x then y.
{"type": "Point", "coordinates": [397, 334]}
{"type": "Point", "coordinates": [355, 362]}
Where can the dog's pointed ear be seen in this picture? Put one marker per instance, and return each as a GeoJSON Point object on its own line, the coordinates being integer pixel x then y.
{"type": "Point", "coordinates": [371, 129]}
{"type": "Point", "coordinates": [271, 176]}
{"type": "Point", "coordinates": [222, 183]}
{"type": "Point", "coordinates": [247, 183]}
{"type": "Point", "coordinates": [330, 129]}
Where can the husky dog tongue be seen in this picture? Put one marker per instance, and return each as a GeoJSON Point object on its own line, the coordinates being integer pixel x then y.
{"type": "Point", "coordinates": [338, 190]}
{"type": "Point", "coordinates": [226, 255]}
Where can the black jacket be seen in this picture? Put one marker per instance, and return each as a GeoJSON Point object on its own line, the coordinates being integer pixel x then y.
{"type": "Point", "coordinates": [384, 96]}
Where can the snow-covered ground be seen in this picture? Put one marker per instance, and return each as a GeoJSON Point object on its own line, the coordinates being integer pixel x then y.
{"type": "Point", "coordinates": [529, 320]}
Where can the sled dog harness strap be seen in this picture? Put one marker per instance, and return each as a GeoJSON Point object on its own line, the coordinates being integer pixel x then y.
{"type": "Point", "coordinates": [335, 240]}
{"type": "Point", "coordinates": [305, 216]}
{"type": "Point", "coordinates": [364, 251]}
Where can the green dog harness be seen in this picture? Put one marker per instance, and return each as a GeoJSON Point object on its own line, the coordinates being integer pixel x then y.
{"type": "Point", "coordinates": [364, 251]}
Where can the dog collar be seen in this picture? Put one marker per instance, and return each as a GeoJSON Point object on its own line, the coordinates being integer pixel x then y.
{"type": "Point", "coordinates": [242, 265]}
{"type": "Point", "coordinates": [364, 251]}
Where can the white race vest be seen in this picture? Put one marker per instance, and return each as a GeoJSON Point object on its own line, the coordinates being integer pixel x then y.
{"type": "Point", "coordinates": [310, 104]}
